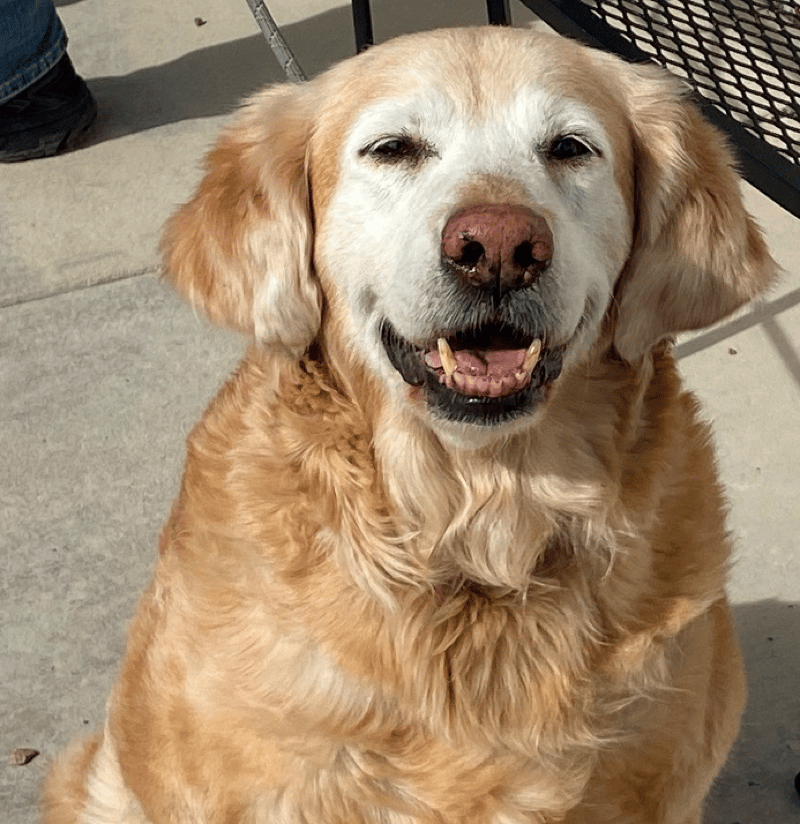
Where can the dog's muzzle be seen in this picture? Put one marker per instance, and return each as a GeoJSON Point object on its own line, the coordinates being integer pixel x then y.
{"type": "Point", "coordinates": [494, 371]}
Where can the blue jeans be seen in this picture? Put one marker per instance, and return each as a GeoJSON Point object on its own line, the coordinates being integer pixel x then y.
{"type": "Point", "coordinates": [32, 41]}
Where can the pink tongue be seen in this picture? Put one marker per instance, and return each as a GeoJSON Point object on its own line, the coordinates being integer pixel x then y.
{"type": "Point", "coordinates": [493, 362]}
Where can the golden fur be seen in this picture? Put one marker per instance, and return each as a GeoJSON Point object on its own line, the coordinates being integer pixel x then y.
{"type": "Point", "coordinates": [355, 618]}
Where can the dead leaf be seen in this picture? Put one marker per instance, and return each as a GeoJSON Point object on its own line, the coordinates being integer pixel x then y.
{"type": "Point", "coordinates": [22, 756]}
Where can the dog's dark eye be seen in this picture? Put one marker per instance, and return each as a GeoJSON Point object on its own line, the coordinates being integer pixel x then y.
{"type": "Point", "coordinates": [397, 149]}
{"type": "Point", "coordinates": [568, 148]}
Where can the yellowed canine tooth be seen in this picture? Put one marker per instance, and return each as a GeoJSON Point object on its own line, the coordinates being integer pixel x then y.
{"type": "Point", "coordinates": [447, 356]}
{"type": "Point", "coordinates": [531, 356]}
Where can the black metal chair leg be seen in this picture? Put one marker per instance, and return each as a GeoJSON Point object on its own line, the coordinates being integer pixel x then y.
{"type": "Point", "coordinates": [362, 24]}
{"type": "Point", "coordinates": [499, 12]}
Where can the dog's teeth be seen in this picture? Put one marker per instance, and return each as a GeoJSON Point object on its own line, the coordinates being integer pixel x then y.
{"type": "Point", "coordinates": [447, 356]}
{"type": "Point", "coordinates": [532, 356]}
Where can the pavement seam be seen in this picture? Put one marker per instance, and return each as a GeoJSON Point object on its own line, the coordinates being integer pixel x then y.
{"type": "Point", "coordinates": [38, 297]}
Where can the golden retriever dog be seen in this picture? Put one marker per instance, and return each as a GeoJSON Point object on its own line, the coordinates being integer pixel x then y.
{"type": "Point", "coordinates": [450, 544]}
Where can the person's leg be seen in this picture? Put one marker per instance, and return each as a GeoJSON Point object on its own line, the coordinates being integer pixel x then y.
{"type": "Point", "coordinates": [44, 106]}
{"type": "Point", "coordinates": [33, 42]}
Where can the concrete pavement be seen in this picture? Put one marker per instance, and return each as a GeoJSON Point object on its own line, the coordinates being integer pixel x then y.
{"type": "Point", "coordinates": [103, 370]}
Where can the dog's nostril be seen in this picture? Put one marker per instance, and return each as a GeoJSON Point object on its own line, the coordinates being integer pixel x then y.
{"type": "Point", "coordinates": [523, 255]}
{"type": "Point", "coordinates": [471, 254]}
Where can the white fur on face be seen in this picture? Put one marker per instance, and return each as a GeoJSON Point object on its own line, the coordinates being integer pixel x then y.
{"type": "Point", "coordinates": [384, 249]}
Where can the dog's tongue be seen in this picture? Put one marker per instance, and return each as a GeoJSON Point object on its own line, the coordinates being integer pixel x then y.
{"type": "Point", "coordinates": [487, 373]}
{"type": "Point", "coordinates": [493, 362]}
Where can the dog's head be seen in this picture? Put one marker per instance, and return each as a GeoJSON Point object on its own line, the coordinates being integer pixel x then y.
{"type": "Point", "coordinates": [463, 214]}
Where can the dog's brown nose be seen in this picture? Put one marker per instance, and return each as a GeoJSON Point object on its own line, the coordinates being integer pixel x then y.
{"type": "Point", "coordinates": [497, 246]}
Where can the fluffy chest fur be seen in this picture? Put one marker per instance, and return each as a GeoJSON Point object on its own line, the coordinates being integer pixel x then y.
{"type": "Point", "coordinates": [505, 612]}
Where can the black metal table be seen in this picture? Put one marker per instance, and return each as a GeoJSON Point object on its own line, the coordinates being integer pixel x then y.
{"type": "Point", "coordinates": [741, 57]}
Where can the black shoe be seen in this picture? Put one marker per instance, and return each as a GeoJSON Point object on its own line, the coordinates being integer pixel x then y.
{"type": "Point", "coordinates": [48, 117]}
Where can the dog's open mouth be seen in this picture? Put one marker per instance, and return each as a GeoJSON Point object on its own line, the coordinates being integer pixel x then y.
{"type": "Point", "coordinates": [487, 375]}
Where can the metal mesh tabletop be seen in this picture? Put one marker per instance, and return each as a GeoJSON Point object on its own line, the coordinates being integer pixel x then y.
{"type": "Point", "coordinates": [742, 58]}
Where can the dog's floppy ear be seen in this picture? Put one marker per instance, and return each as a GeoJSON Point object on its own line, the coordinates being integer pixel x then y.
{"type": "Point", "coordinates": [697, 255]}
{"type": "Point", "coordinates": [240, 249]}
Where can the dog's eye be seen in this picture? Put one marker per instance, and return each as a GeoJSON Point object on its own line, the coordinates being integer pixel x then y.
{"type": "Point", "coordinates": [397, 149]}
{"type": "Point", "coordinates": [568, 148]}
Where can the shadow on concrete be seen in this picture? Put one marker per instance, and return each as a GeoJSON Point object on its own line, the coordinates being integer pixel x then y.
{"type": "Point", "coordinates": [763, 314]}
{"type": "Point", "coordinates": [757, 314]}
{"type": "Point", "coordinates": [200, 84]}
{"type": "Point", "coordinates": [757, 785]}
